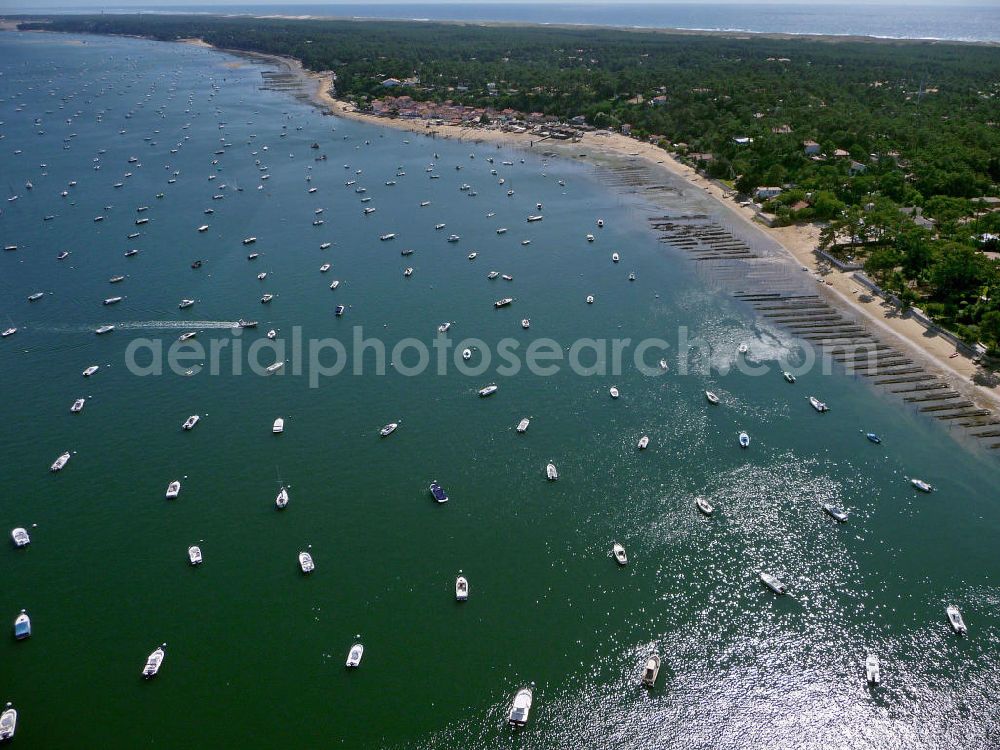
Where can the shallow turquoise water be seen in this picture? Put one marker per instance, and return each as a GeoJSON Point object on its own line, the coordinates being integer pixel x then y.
{"type": "Point", "coordinates": [255, 650]}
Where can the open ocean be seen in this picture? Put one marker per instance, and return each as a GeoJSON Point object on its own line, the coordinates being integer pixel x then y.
{"type": "Point", "coordinates": [944, 20]}
{"type": "Point", "coordinates": [256, 650]}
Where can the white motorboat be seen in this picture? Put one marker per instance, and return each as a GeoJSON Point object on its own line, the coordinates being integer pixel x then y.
{"type": "Point", "coordinates": [551, 473]}
{"type": "Point", "coordinates": [335, 283]}
{"type": "Point", "coordinates": [590, 238]}
{"type": "Point", "coordinates": [473, 256]}
{"type": "Point", "coordinates": [663, 364]}
{"type": "Point", "coordinates": [324, 268]}
{"type": "Point", "coordinates": [203, 228]}
{"type": "Point", "coordinates": [955, 620]}
{"type": "Point", "coordinates": [744, 440]}
{"type": "Point", "coordinates": [90, 371]}
{"type": "Point", "coordinates": [444, 327]}
{"type": "Point", "coordinates": [453, 238]}
{"type": "Point", "coordinates": [104, 329]}
{"type": "Point", "coordinates": [651, 670]}
{"type": "Point", "coordinates": [325, 245]}
{"type": "Point", "coordinates": [818, 405]}
{"type": "Point", "coordinates": [8, 723]}
{"type": "Point", "coordinates": [194, 554]}
{"type": "Point", "coordinates": [507, 277]}
{"type": "Point", "coordinates": [590, 299]}
{"type": "Point", "coordinates": [22, 626]}
{"type": "Point", "coordinates": [522, 426]}
{"type": "Point", "coordinates": [77, 406]}
{"type": "Point", "coordinates": [712, 398]}
{"type": "Point", "coordinates": [836, 512]}
{"type": "Point", "coordinates": [279, 426]}
{"type": "Point", "coordinates": [872, 673]}
{"type": "Point", "coordinates": [615, 257]}
{"type": "Point", "coordinates": [191, 421]}
{"type": "Point", "coordinates": [467, 354]}
{"type": "Point", "coordinates": [36, 296]}
{"type": "Point", "coordinates": [173, 490]}
{"type": "Point", "coordinates": [488, 390]}
{"type": "Point", "coordinates": [526, 323]}
{"type": "Point", "coordinates": [266, 298]}
{"type": "Point", "coordinates": [387, 237]}
{"type": "Point", "coordinates": [643, 442]}
{"type": "Point", "coordinates": [8, 332]}
{"type": "Point", "coordinates": [520, 708]}
{"type": "Point", "coordinates": [60, 462]}
{"type": "Point", "coordinates": [388, 429]}
{"type": "Point", "coordinates": [788, 376]}
{"type": "Point", "coordinates": [184, 304]}
{"type": "Point", "coordinates": [614, 392]}
{"type": "Point", "coordinates": [600, 222]}
{"type": "Point", "coordinates": [534, 217]}
{"type": "Point", "coordinates": [439, 226]}
{"type": "Point", "coordinates": [618, 551]}
{"type": "Point", "coordinates": [188, 335]}
{"type": "Point", "coordinates": [704, 506]}
{"type": "Point", "coordinates": [773, 583]}
{"type": "Point", "coordinates": [525, 242]}
{"type": "Point", "coordinates": [249, 240]}
{"type": "Point", "coordinates": [493, 275]}
{"type": "Point", "coordinates": [153, 662]}
{"type": "Point", "coordinates": [306, 562]}
{"type": "Point", "coordinates": [20, 537]}
{"type": "Point", "coordinates": [743, 348]}
{"type": "Point", "coordinates": [461, 589]}
{"type": "Point", "coordinates": [921, 485]}
{"type": "Point", "coordinates": [408, 271]}
{"type": "Point", "coordinates": [502, 230]}
{"type": "Point", "coordinates": [354, 655]}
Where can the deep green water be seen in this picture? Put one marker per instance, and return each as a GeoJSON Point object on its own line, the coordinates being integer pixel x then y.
{"type": "Point", "coordinates": [256, 651]}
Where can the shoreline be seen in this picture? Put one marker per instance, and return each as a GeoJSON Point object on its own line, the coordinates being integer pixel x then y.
{"type": "Point", "coordinates": [797, 242]}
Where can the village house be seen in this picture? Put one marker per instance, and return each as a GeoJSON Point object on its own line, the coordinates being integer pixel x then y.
{"type": "Point", "coordinates": [810, 147]}
{"type": "Point", "coordinates": [766, 193]}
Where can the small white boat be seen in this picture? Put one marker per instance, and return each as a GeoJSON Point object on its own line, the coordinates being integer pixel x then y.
{"type": "Point", "coordinates": [77, 406]}
{"type": "Point", "coordinates": [492, 275]}
{"type": "Point", "coordinates": [408, 271]}
{"type": "Point", "coordinates": [453, 238]}
{"type": "Point", "coordinates": [788, 376]}
{"type": "Point", "coordinates": [704, 506]}
{"type": "Point", "coordinates": [712, 398]}
{"type": "Point", "coordinates": [188, 335]}
{"type": "Point", "coordinates": [600, 222]}
{"type": "Point", "coordinates": [8, 723]}
{"type": "Point", "coordinates": [266, 299]}
{"type": "Point", "coordinates": [743, 348]}
{"type": "Point", "coordinates": [921, 485]}
{"type": "Point", "coordinates": [203, 228]}
{"type": "Point", "coordinates": [488, 390]}
{"type": "Point", "coordinates": [194, 554]}
{"type": "Point", "coordinates": [651, 670]}
{"type": "Point", "coordinates": [467, 354]}
{"type": "Point", "coordinates": [20, 537]}
{"type": "Point", "coordinates": [525, 242]}
{"type": "Point", "coordinates": [590, 299]}
{"type": "Point", "coordinates": [104, 329]}
{"type": "Point", "coordinates": [324, 268]}
{"type": "Point", "coordinates": [773, 583]}
{"type": "Point", "coordinates": [522, 426]}
{"type": "Point", "coordinates": [279, 426]}
{"type": "Point", "coordinates": [191, 421]}
{"type": "Point", "coordinates": [388, 429]}
{"type": "Point", "coordinates": [444, 327]}
{"type": "Point", "coordinates": [271, 369]}
{"type": "Point", "coordinates": [306, 563]}
{"type": "Point", "coordinates": [663, 364]}
{"type": "Point", "coordinates": [282, 498]}
{"type": "Point", "coordinates": [836, 512]}
{"type": "Point", "coordinates": [184, 304]}
{"type": "Point", "coordinates": [818, 405]}
{"type": "Point", "coordinates": [153, 663]}
{"type": "Point", "coordinates": [520, 708]}
{"type": "Point", "coordinates": [334, 284]}
{"type": "Point", "coordinates": [507, 277]}
{"type": "Point", "coordinates": [173, 490]}
{"type": "Point", "coordinates": [526, 323]}
{"type": "Point", "coordinates": [615, 257]}
{"type": "Point", "coordinates": [36, 296]}
{"type": "Point", "coordinates": [90, 371]}
{"type": "Point", "coordinates": [22, 626]}
{"type": "Point", "coordinates": [472, 256]}
{"type": "Point", "coordinates": [955, 620]}
{"type": "Point", "coordinates": [387, 237]}
{"type": "Point", "coordinates": [60, 462]}
{"type": "Point", "coordinates": [439, 226]}
{"type": "Point", "coordinates": [324, 245]}
{"type": "Point", "coordinates": [249, 240]}
{"type": "Point", "coordinates": [534, 217]}
{"type": "Point", "coordinates": [872, 673]}
{"type": "Point", "coordinates": [590, 238]}
{"type": "Point", "coordinates": [614, 392]}
{"type": "Point", "coordinates": [744, 440]}
{"type": "Point", "coordinates": [643, 442]}
{"type": "Point", "coordinates": [502, 230]}
{"type": "Point", "coordinates": [618, 551]}
{"type": "Point", "coordinates": [551, 473]}
{"type": "Point", "coordinates": [8, 332]}
{"type": "Point", "coordinates": [272, 334]}
{"type": "Point", "coordinates": [461, 589]}
{"type": "Point", "coordinates": [354, 655]}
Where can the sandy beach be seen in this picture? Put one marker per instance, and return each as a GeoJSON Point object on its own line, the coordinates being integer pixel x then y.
{"type": "Point", "coordinates": [938, 355]}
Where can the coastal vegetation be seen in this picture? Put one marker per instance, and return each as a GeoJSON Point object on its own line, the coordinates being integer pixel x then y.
{"type": "Point", "coordinates": [893, 146]}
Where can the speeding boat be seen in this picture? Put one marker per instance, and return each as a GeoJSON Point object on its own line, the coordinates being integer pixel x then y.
{"type": "Point", "coordinates": [618, 551]}
{"type": "Point", "coordinates": [8, 723]}
{"type": "Point", "coordinates": [354, 655]}
{"type": "Point", "coordinates": [712, 398]}
{"type": "Point", "coordinates": [153, 663]}
{"type": "Point", "coordinates": [173, 490]}
{"type": "Point", "coordinates": [551, 473]}
{"type": "Point", "coordinates": [22, 626]}
{"type": "Point", "coordinates": [306, 562]}
{"type": "Point", "coordinates": [279, 426]}
{"type": "Point", "coordinates": [191, 421]}
{"type": "Point", "coordinates": [704, 506]}
{"type": "Point", "coordinates": [614, 392]}
{"type": "Point", "coordinates": [921, 485]}
{"type": "Point", "coordinates": [104, 329]}
{"type": "Point", "coordinates": [461, 589]}
{"type": "Point", "coordinates": [488, 390]}
{"type": "Point", "coordinates": [522, 426]}
{"type": "Point", "coordinates": [818, 405]}
{"type": "Point", "coordinates": [773, 583]}
{"type": "Point", "coordinates": [77, 406]}
{"type": "Point", "coordinates": [873, 437]}
{"type": "Point", "coordinates": [872, 673]}
{"type": "Point", "coordinates": [744, 440]}
{"type": "Point", "coordinates": [282, 498]}
{"type": "Point", "coordinates": [187, 335]}
{"type": "Point", "coordinates": [60, 462]}
{"type": "Point", "coordinates": [90, 371]}
{"type": "Point", "coordinates": [955, 620]}
{"type": "Point", "coordinates": [438, 492]}
{"type": "Point", "coordinates": [388, 429]}
{"type": "Point", "coordinates": [836, 512]}
{"type": "Point", "coordinates": [520, 708]}
{"type": "Point", "coordinates": [194, 554]}
{"type": "Point", "coordinates": [788, 376]}
{"type": "Point", "coordinates": [241, 323]}
{"type": "Point", "coordinates": [20, 537]}
{"type": "Point", "coordinates": [651, 670]}
{"type": "Point", "coordinates": [643, 442]}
